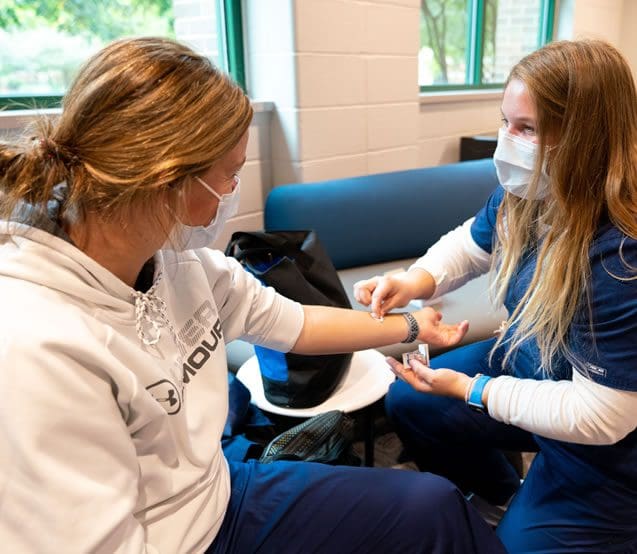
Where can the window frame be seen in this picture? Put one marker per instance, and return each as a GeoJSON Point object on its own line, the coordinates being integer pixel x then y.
{"type": "Point", "coordinates": [475, 47]}
{"type": "Point", "coordinates": [230, 23]}
{"type": "Point", "coordinates": [233, 40]}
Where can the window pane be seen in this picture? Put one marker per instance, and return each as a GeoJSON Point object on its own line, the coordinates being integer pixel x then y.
{"type": "Point", "coordinates": [474, 43]}
{"type": "Point", "coordinates": [199, 24]}
{"type": "Point", "coordinates": [43, 42]}
{"type": "Point", "coordinates": [443, 39]}
{"type": "Point", "coordinates": [511, 29]}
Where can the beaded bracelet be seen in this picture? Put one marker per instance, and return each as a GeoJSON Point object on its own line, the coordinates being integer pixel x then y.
{"type": "Point", "coordinates": [414, 328]}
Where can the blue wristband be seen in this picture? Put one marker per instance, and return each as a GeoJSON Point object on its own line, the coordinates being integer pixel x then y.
{"type": "Point", "coordinates": [474, 398]}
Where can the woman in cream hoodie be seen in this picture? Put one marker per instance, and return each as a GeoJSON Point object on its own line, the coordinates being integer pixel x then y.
{"type": "Point", "coordinates": [112, 343]}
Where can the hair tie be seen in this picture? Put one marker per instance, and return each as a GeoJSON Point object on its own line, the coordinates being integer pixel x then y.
{"type": "Point", "coordinates": [51, 151]}
{"type": "Point", "coordinates": [48, 150]}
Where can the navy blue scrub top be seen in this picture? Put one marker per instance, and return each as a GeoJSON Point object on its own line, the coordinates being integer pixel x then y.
{"type": "Point", "coordinates": [605, 351]}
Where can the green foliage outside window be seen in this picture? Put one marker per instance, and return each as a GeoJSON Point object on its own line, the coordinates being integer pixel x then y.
{"type": "Point", "coordinates": [471, 44]}
{"type": "Point", "coordinates": [444, 29]}
{"type": "Point", "coordinates": [106, 20]}
{"type": "Point", "coordinates": [43, 42]}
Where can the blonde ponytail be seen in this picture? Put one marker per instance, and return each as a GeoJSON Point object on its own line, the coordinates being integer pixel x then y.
{"type": "Point", "coordinates": [31, 167]}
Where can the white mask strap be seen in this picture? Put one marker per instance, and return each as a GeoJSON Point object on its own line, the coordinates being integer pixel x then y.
{"type": "Point", "coordinates": [208, 188]}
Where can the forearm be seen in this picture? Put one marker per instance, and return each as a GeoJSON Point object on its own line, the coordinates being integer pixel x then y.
{"type": "Point", "coordinates": [334, 330]}
{"type": "Point", "coordinates": [423, 283]}
{"type": "Point", "coordinates": [578, 411]}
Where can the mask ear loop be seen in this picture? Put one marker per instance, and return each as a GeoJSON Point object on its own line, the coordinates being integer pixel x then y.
{"type": "Point", "coordinates": [175, 215]}
{"type": "Point", "coordinates": [208, 188]}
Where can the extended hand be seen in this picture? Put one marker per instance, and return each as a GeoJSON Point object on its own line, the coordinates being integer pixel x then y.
{"type": "Point", "coordinates": [442, 382]}
{"type": "Point", "coordinates": [433, 331]}
{"type": "Point", "coordinates": [387, 292]}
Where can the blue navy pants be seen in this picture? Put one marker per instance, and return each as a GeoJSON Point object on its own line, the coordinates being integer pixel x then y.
{"type": "Point", "coordinates": [301, 507]}
{"type": "Point", "coordinates": [446, 437]}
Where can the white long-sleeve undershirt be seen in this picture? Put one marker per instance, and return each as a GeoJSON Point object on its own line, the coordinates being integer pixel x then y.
{"type": "Point", "coordinates": [454, 259]}
{"type": "Point", "coordinates": [579, 411]}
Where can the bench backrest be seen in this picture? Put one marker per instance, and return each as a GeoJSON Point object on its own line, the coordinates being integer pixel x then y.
{"type": "Point", "coordinates": [388, 216]}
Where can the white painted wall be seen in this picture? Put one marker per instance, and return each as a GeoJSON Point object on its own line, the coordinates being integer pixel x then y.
{"type": "Point", "coordinates": [600, 19]}
{"type": "Point", "coordinates": [444, 119]}
{"type": "Point", "coordinates": [342, 76]}
{"type": "Point", "coordinates": [628, 33]}
{"type": "Point", "coordinates": [256, 178]}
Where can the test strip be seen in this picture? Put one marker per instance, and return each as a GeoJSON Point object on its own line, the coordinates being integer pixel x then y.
{"type": "Point", "coordinates": [422, 355]}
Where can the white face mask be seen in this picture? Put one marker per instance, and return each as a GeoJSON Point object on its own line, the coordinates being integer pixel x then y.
{"type": "Point", "coordinates": [187, 237]}
{"type": "Point", "coordinates": [514, 159]}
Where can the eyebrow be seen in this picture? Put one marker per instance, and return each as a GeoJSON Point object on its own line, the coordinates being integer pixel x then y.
{"type": "Point", "coordinates": [522, 119]}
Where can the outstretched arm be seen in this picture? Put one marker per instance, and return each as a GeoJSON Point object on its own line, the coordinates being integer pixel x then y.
{"type": "Point", "coordinates": [332, 330]}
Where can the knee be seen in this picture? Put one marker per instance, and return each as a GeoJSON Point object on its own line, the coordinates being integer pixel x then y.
{"type": "Point", "coordinates": [435, 495]}
{"type": "Point", "coordinates": [441, 491]}
{"type": "Point", "coordinates": [436, 512]}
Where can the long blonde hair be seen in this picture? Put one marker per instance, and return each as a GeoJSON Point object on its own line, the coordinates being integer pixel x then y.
{"type": "Point", "coordinates": [142, 116]}
{"type": "Point", "coordinates": [586, 105]}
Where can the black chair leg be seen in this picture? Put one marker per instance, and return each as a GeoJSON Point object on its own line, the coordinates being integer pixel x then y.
{"type": "Point", "coordinates": [368, 422]}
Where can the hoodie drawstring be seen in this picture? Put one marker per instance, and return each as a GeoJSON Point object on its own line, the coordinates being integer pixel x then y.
{"type": "Point", "coordinates": [150, 316]}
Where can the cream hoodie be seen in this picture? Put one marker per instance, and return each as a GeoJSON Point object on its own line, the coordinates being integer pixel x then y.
{"type": "Point", "coordinates": [109, 444]}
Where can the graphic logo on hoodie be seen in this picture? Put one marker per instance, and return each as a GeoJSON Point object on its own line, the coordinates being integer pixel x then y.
{"type": "Point", "coordinates": [167, 394]}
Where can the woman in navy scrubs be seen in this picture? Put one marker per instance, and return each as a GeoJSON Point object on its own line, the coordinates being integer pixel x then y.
{"type": "Point", "coordinates": [559, 237]}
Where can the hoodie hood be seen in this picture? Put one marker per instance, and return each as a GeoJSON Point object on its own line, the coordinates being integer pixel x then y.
{"type": "Point", "coordinates": [34, 247]}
